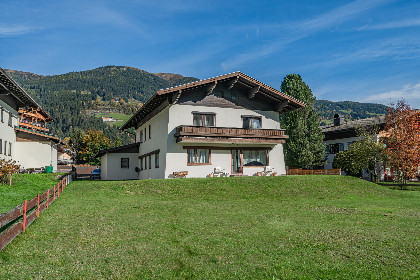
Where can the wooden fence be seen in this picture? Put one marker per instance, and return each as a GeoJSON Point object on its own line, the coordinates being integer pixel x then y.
{"type": "Point", "coordinates": [18, 219]}
{"type": "Point", "coordinates": [300, 171]}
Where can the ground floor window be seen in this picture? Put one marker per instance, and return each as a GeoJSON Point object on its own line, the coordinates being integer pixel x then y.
{"type": "Point", "coordinates": [255, 157]}
{"type": "Point", "coordinates": [248, 158]}
{"type": "Point", "coordinates": [198, 156]}
{"type": "Point", "coordinates": [125, 163]}
{"type": "Point", "coordinates": [157, 160]}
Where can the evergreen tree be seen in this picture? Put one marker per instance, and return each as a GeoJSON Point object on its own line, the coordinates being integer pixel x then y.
{"type": "Point", "coordinates": [305, 147]}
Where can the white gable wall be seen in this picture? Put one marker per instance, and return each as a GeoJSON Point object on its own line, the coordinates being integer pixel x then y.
{"type": "Point", "coordinates": [7, 133]}
{"type": "Point", "coordinates": [36, 154]}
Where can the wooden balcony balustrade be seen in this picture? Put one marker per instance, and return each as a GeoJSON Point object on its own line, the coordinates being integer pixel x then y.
{"type": "Point", "coordinates": [185, 133]}
{"type": "Point", "coordinates": [33, 127]}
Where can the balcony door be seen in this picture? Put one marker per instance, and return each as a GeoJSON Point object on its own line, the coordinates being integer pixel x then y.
{"type": "Point", "coordinates": [237, 166]}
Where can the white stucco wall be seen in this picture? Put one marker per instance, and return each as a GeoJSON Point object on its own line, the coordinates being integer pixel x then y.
{"type": "Point", "coordinates": [104, 167]}
{"type": "Point", "coordinates": [36, 154]}
{"type": "Point", "coordinates": [7, 133]}
{"type": "Point", "coordinates": [176, 156]}
{"type": "Point", "coordinates": [111, 166]}
{"type": "Point", "coordinates": [159, 137]}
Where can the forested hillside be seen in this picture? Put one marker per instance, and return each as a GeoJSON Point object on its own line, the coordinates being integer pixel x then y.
{"type": "Point", "coordinates": [78, 99]}
{"type": "Point", "coordinates": [348, 110]}
{"type": "Point", "coordinates": [74, 99]}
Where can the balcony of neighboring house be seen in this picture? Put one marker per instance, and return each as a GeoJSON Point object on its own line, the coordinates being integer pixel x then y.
{"type": "Point", "coordinates": [228, 135]}
{"type": "Point", "coordinates": [33, 126]}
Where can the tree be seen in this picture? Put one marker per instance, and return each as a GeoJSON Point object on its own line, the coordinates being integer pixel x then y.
{"type": "Point", "coordinates": [365, 154]}
{"type": "Point", "coordinates": [7, 168]}
{"type": "Point", "coordinates": [305, 147]}
{"type": "Point", "coordinates": [76, 143]}
{"type": "Point", "coordinates": [402, 139]}
{"type": "Point", "coordinates": [93, 142]}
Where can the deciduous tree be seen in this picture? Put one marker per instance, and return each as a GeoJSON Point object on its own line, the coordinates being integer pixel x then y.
{"type": "Point", "coordinates": [304, 148]}
{"type": "Point", "coordinates": [403, 140]}
{"type": "Point", "coordinates": [93, 142]}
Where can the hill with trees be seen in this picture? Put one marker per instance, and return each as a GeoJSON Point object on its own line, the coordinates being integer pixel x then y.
{"type": "Point", "coordinates": [348, 110]}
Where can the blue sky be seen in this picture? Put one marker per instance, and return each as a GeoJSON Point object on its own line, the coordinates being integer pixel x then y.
{"type": "Point", "coordinates": [366, 51]}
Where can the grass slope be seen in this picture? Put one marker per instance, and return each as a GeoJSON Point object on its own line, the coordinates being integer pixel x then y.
{"type": "Point", "coordinates": [325, 227]}
{"type": "Point", "coordinates": [122, 118]}
{"type": "Point", "coordinates": [25, 186]}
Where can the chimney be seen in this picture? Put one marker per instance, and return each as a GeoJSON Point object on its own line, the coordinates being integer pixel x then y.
{"type": "Point", "coordinates": [337, 120]}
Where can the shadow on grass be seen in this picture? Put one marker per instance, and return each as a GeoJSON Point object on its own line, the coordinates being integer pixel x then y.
{"type": "Point", "coordinates": [400, 186]}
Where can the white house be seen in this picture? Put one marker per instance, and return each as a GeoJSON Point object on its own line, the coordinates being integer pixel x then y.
{"type": "Point", "coordinates": [23, 135]}
{"type": "Point", "coordinates": [227, 124]}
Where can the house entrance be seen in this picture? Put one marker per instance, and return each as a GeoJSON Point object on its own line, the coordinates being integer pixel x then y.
{"type": "Point", "coordinates": [237, 162]}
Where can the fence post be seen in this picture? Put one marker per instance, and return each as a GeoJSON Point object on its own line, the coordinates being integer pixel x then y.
{"type": "Point", "coordinates": [37, 207]}
{"type": "Point", "coordinates": [48, 197]}
{"type": "Point", "coordinates": [54, 193]}
{"type": "Point", "coordinates": [24, 214]}
{"type": "Point", "coordinates": [58, 190]}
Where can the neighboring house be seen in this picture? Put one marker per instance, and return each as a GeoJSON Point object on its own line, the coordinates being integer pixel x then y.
{"type": "Point", "coordinates": [229, 122]}
{"type": "Point", "coordinates": [340, 135]}
{"type": "Point", "coordinates": [65, 156]}
{"type": "Point", "coordinates": [23, 135]}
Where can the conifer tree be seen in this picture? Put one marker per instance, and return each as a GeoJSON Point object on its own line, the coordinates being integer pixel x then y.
{"type": "Point", "coordinates": [305, 147]}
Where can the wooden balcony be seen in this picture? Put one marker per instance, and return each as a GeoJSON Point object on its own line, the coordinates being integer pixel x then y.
{"type": "Point", "coordinates": [33, 127]}
{"type": "Point", "coordinates": [202, 134]}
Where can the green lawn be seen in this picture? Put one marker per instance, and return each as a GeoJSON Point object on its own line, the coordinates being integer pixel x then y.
{"type": "Point", "coordinates": [25, 186]}
{"type": "Point", "coordinates": [118, 116]}
{"type": "Point", "coordinates": [291, 227]}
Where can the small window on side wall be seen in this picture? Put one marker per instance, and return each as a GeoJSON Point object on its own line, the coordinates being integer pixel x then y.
{"type": "Point", "coordinates": [157, 160]}
{"type": "Point", "coordinates": [10, 149]}
{"type": "Point", "coordinates": [125, 163]}
{"type": "Point", "coordinates": [1, 146]}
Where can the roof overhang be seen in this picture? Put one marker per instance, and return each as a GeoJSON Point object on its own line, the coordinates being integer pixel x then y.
{"type": "Point", "coordinates": [130, 148]}
{"type": "Point", "coordinates": [50, 137]}
{"type": "Point", "coordinates": [11, 87]}
{"type": "Point", "coordinates": [282, 102]}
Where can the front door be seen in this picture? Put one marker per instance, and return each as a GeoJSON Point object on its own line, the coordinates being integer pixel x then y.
{"type": "Point", "coordinates": [236, 162]}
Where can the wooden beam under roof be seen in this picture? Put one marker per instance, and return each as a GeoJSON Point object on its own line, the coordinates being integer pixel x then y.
{"type": "Point", "coordinates": [280, 106]}
{"type": "Point", "coordinates": [232, 82]}
{"type": "Point", "coordinates": [253, 91]}
{"type": "Point", "coordinates": [211, 87]}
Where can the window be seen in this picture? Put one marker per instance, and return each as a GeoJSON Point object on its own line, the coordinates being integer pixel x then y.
{"type": "Point", "coordinates": [145, 163]}
{"type": "Point", "coordinates": [251, 122]}
{"type": "Point", "coordinates": [5, 147]}
{"type": "Point", "coordinates": [141, 136]}
{"type": "Point", "coordinates": [2, 117]}
{"type": "Point", "coordinates": [150, 162]}
{"type": "Point", "coordinates": [255, 157]}
{"type": "Point", "coordinates": [10, 149]}
{"type": "Point", "coordinates": [235, 95]}
{"type": "Point", "coordinates": [198, 156]}
{"type": "Point", "coordinates": [145, 134]}
{"type": "Point", "coordinates": [337, 147]}
{"type": "Point", "coordinates": [204, 119]}
{"type": "Point", "coordinates": [10, 119]}
{"type": "Point", "coordinates": [150, 131]}
{"type": "Point", "coordinates": [1, 146]}
{"type": "Point", "coordinates": [125, 163]}
{"type": "Point", "coordinates": [141, 164]}
{"type": "Point", "coordinates": [157, 160]}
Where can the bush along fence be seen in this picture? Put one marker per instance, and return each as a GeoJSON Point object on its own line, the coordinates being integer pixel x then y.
{"type": "Point", "coordinates": [18, 219]}
{"type": "Point", "coordinates": [300, 171]}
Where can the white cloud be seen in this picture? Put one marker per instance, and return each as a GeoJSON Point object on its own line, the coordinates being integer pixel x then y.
{"type": "Point", "coordinates": [393, 24]}
{"type": "Point", "coordinates": [410, 93]}
{"type": "Point", "coordinates": [14, 30]}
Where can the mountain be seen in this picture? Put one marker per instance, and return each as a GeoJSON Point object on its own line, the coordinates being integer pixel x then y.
{"type": "Point", "coordinates": [348, 110]}
{"type": "Point", "coordinates": [79, 99]}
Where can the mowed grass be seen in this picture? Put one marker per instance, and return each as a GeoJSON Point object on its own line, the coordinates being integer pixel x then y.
{"type": "Point", "coordinates": [291, 227]}
{"type": "Point", "coordinates": [25, 186]}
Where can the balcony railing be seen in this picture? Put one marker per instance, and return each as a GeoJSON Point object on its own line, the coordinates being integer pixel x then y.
{"type": "Point", "coordinates": [33, 126]}
{"type": "Point", "coordinates": [185, 133]}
